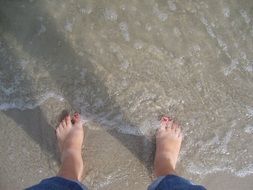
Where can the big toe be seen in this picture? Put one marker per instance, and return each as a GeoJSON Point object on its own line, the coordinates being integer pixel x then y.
{"type": "Point", "coordinates": [165, 120]}
{"type": "Point", "coordinates": [77, 120]}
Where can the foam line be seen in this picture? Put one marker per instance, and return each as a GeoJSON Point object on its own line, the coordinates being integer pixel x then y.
{"type": "Point", "coordinates": [21, 105]}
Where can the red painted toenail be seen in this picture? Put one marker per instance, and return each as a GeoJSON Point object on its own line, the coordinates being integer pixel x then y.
{"type": "Point", "coordinates": [166, 119]}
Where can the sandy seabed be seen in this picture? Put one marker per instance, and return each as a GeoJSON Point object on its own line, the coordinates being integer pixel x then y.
{"type": "Point", "coordinates": [123, 64]}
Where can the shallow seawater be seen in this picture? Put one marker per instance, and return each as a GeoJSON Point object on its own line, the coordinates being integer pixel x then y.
{"type": "Point", "coordinates": [123, 64]}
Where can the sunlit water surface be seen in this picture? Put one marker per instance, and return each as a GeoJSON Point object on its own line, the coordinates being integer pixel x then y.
{"type": "Point", "coordinates": [124, 63]}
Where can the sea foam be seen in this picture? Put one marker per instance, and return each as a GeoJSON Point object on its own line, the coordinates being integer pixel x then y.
{"type": "Point", "coordinates": [22, 105]}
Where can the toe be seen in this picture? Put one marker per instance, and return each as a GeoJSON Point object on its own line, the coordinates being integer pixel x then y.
{"type": "Point", "coordinates": [160, 130]}
{"type": "Point", "coordinates": [162, 127]}
{"type": "Point", "coordinates": [174, 127]}
{"type": "Point", "coordinates": [63, 123]}
{"type": "Point", "coordinates": [57, 131]}
{"type": "Point", "coordinates": [165, 119]}
{"type": "Point", "coordinates": [60, 126]}
{"type": "Point", "coordinates": [178, 129]}
{"type": "Point", "coordinates": [164, 122]}
{"type": "Point", "coordinates": [76, 119]}
{"type": "Point", "coordinates": [68, 120]}
{"type": "Point", "coordinates": [180, 135]}
{"type": "Point", "coordinates": [169, 125]}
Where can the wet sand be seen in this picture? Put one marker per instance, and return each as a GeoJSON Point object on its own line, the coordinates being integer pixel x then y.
{"type": "Point", "coordinates": [122, 65]}
{"type": "Point", "coordinates": [108, 163]}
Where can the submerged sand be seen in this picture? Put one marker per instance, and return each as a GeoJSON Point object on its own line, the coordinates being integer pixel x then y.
{"type": "Point", "coordinates": [29, 154]}
{"type": "Point", "coordinates": [122, 65]}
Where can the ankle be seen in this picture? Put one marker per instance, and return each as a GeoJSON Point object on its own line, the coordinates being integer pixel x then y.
{"type": "Point", "coordinates": [164, 171]}
{"type": "Point", "coordinates": [71, 152]}
{"type": "Point", "coordinates": [166, 158]}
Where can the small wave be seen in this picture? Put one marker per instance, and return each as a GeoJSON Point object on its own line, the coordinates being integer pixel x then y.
{"type": "Point", "coordinates": [146, 128]}
{"type": "Point", "coordinates": [128, 130]}
{"type": "Point", "coordinates": [248, 170]}
{"type": "Point", "coordinates": [202, 171]}
{"type": "Point", "coordinates": [22, 105]}
{"type": "Point", "coordinates": [249, 129]}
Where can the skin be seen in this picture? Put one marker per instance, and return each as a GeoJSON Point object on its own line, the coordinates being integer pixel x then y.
{"type": "Point", "coordinates": [70, 140]}
{"type": "Point", "coordinates": [168, 143]}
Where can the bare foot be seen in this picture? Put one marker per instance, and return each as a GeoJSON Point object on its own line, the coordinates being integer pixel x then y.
{"type": "Point", "coordinates": [70, 136]}
{"type": "Point", "coordinates": [168, 143]}
{"type": "Point", "coordinates": [70, 140]}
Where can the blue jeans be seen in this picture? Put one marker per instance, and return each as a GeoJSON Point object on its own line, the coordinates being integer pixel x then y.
{"type": "Point", "coordinates": [55, 183]}
{"type": "Point", "coordinates": [173, 182]}
{"type": "Point", "coordinates": [170, 182]}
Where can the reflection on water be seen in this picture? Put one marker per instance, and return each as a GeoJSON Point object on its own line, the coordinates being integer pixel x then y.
{"type": "Point", "coordinates": [122, 64]}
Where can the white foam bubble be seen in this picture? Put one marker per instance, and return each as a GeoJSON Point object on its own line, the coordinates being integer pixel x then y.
{"type": "Point", "coordinates": [196, 48]}
{"type": "Point", "coordinates": [231, 67]}
{"type": "Point", "coordinates": [148, 27]}
{"type": "Point", "coordinates": [123, 7]}
{"type": "Point", "coordinates": [226, 12]}
{"type": "Point", "coordinates": [148, 127]}
{"type": "Point", "coordinates": [138, 44]}
{"type": "Point", "coordinates": [203, 170]}
{"type": "Point", "coordinates": [222, 44]}
{"type": "Point", "coordinates": [225, 141]}
{"type": "Point", "coordinates": [124, 63]}
{"type": "Point", "coordinates": [22, 105]}
{"type": "Point", "coordinates": [172, 5]}
{"type": "Point", "coordinates": [248, 170]}
{"type": "Point", "coordinates": [249, 129]}
{"type": "Point", "coordinates": [7, 91]}
{"type": "Point", "coordinates": [208, 27]}
{"type": "Point", "coordinates": [129, 130]}
{"type": "Point", "coordinates": [250, 112]}
{"type": "Point", "coordinates": [86, 10]}
{"type": "Point", "coordinates": [245, 16]}
{"type": "Point", "coordinates": [219, 40]}
{"type": "Point", "coordinates": [249, 68]}
{"type": "Point", "coordinates": [110, 14]}
{"type": "Point", "coordinates": [24, 63]}
{"type": "Point", "coordinates": [42, 29]}
{"type": "Point", "coordinates": [124, 30]}
{"type": "Point", "coordinates": [161, 15]}
{"type": "Point", "coordinates": [176, 31]}
{"type": "Point", "coordinates": [68, 26]}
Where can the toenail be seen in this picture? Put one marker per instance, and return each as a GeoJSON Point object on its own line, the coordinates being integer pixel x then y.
{"type": "Point", "coordinates": [166, 119]}
{"type": "Point", "coordinates": [76, 114]}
